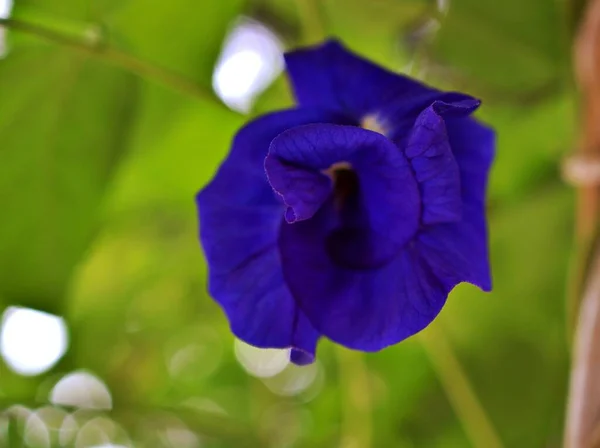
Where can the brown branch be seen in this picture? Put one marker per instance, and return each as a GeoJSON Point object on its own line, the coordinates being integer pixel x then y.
{"type": "Point", "coordinates": [583, 170]}
{"type": "Point", "coordinates": [584, 394]}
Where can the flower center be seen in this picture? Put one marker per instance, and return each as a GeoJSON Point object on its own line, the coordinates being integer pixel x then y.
{"type": "Point", "coordinates": [352, 243]}
{"type": "Point", "coordinates": [373, 123]}
{"type": "Point", "coordinates": [345, 182]}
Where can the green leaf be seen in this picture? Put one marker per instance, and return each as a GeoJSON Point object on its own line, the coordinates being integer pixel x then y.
{"type": "Point", "coordinates": [176, 149]}
{"type": "Point", "coordinates": [62, 136]}
{"type": "Point", "coordinates": [71, 10]}
{"type": "Point", "coordinates": [184, 35]}
{"type": "Point", "coordinates": [507, 46]}
{"type": "Point", "coordinates": [531, 140]}
{"type": "Point", "coordinates": [515, 337]}
{"type": "Point", "coordinates": [380, 24]}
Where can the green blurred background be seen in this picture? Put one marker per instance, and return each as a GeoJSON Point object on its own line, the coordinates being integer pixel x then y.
{"type": "Point", "coordinates": [110, 121]}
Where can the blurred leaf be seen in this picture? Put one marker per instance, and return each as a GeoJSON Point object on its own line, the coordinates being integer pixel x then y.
{"type": "Point", "coordinates": [66, 9]}
{"type": "Point", "coordinates": [177, 146]}
{"type": "Point", "coordinates": [531, 141]}
{"type": "Point", "coordinates": [508, 46]}
{"type": "Point", "coordinates": [139, 314]}
{"type": "Point", "coordinates": [183, 35]}
{"type": "Point", "coordinates": [514, 340]}
{"type": "Point", "coordinates": [381, 24]}
{"type": "Point", "coordinates": [62, 136]}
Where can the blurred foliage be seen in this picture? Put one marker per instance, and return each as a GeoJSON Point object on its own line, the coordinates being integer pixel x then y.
{"type": "Point", "coordinates": [100, 167]}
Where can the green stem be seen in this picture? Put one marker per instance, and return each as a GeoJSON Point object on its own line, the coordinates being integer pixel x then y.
{"type": "Point", "coordinates": [462, 397]}
{"type": "Point", "coordinates": [356, 399]}
{"type": "Point", "coordinates": [115, 57]}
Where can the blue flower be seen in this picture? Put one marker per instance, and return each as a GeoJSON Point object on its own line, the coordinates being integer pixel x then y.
{"type": "Point", "coordinates": [353, 215]}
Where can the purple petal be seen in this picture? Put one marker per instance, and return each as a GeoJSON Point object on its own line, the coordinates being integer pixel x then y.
{"type": "Point", "coordinates": [259, 306]}
{"type": "Point", "coordinates": [435, 169]}
{"type": "Point", "coordinates": [240, 218]}
{"type": "Point", "coordinates": [387, 185]}
{"type": "Point", "coordinates": [361, 309]}
{"type": "Point", "coordinates": [303, 191]}
{"type": "Point", "coordinates": [473, 148]}
{"type": "Point", "coordinates": [331, 77]}
{"type": "Point", "coordinates": [458, 251]}
{"type": "Point", "coordinates": [369, 309]}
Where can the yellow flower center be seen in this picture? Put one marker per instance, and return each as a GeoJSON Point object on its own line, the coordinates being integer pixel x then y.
{"type": "Point", "coordinates": [372, 123]}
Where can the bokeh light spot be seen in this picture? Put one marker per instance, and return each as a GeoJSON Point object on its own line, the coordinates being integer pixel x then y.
{"type": "Point", "coordinates": [101, 432]}
{"type": "Point", "coordinates": [108, 445]}
{"type": "Point", "coordinates": [181, 437]}
{"type": "Point", "coordinates": [251, 59]}
{"type": "Point", "coordinates": [5, 9]}
{"type": "Point", "coordinates": [32, 341]}
{"type": "Point", "coordinates": [68, 430]}
{"type": "Point", "coordinates": [261, 362]}
{"type": "Point", "coordinates": [294, 380]}
{"type": "Point", "coordinates": [36, 432]}
{"type": "Point", "coordinates": [82, 390]}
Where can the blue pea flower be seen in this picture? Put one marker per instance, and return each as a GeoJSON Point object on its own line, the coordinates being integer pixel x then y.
{"type": "Point", "coordinates": [351, 216]}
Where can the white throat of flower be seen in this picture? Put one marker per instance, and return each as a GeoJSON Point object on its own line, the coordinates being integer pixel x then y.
{"type": "Point", "coordinates": [373, 123]}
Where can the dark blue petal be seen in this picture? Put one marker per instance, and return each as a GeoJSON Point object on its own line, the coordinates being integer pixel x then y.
{"type": "Point", "coordinates": [361, 309]}
{"type": "Point", "coordinates": [298, 157]}
{"type": "Point", "coordinates": [303, 190]}
{"type": "Point", "coordinates": [473, 148]}
{"type": "Point", "coordinates": [366, 268]}
{"type": "Point", "coordinates": [436, 170]}
{"type": "Point", "coordinates": [331, 77]}
{"type": "Point", "coordinates": [369, 309]}
{"type": "Point", "coordinates": [240, 217]}
{"type": "Point", "coordinates": [459, 251]}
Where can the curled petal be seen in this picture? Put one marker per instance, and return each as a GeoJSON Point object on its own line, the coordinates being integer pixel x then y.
{"type": "Point", "coordinates": [240, 217]}
{"type": "Point", "coordinates": [435, 169]}
{"type": "Point", "coordinates": [391, 197]}
{"type": "Point", "coordinates": [458, 252]}
{"type": "Point", "coordinates": [355, 234]}
{"type": "Point", "coordinates": [303, 191]}
{"type": "Point", "coordinates": [473, 146]}
{"type": "Point", "coordinates": [369, 309]}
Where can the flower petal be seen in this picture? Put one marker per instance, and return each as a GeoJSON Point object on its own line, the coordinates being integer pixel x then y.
{"type": "Point", "coordinates": [436, 170]}
{"type": "Point", "coordinates": [369, 309]}
{"type": "Point", "coordinates": [387, 184]}
{"type": "Point", "coordinates": [473, 146]}
{"type": "Point", "coordinates": [240, 218]}
{"type": "Point", "coordinates": [458, 251]}
{"type": "Point", "coordinates": [331, 77]}
{"type": "Point", "coordinates": [303, 191]}
{"type": "Point", "coordinates": [259, 306]}
{"type": "Point", "coordinates": [361, 309]}
{"type": "Point", "coordinates": [239, 213]}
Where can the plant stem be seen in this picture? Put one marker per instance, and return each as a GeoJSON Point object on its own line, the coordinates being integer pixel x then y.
{"type": "Point", "coordinates": [582, 422]}
{"type": "Point", "coordinates": [585, 387]}
{"type": "Point", "coordinates": [356, 404]}
{"type": "Point", "coordinates": [117, 58]}
{"type": "Point", "coordinates": [462, 397]}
